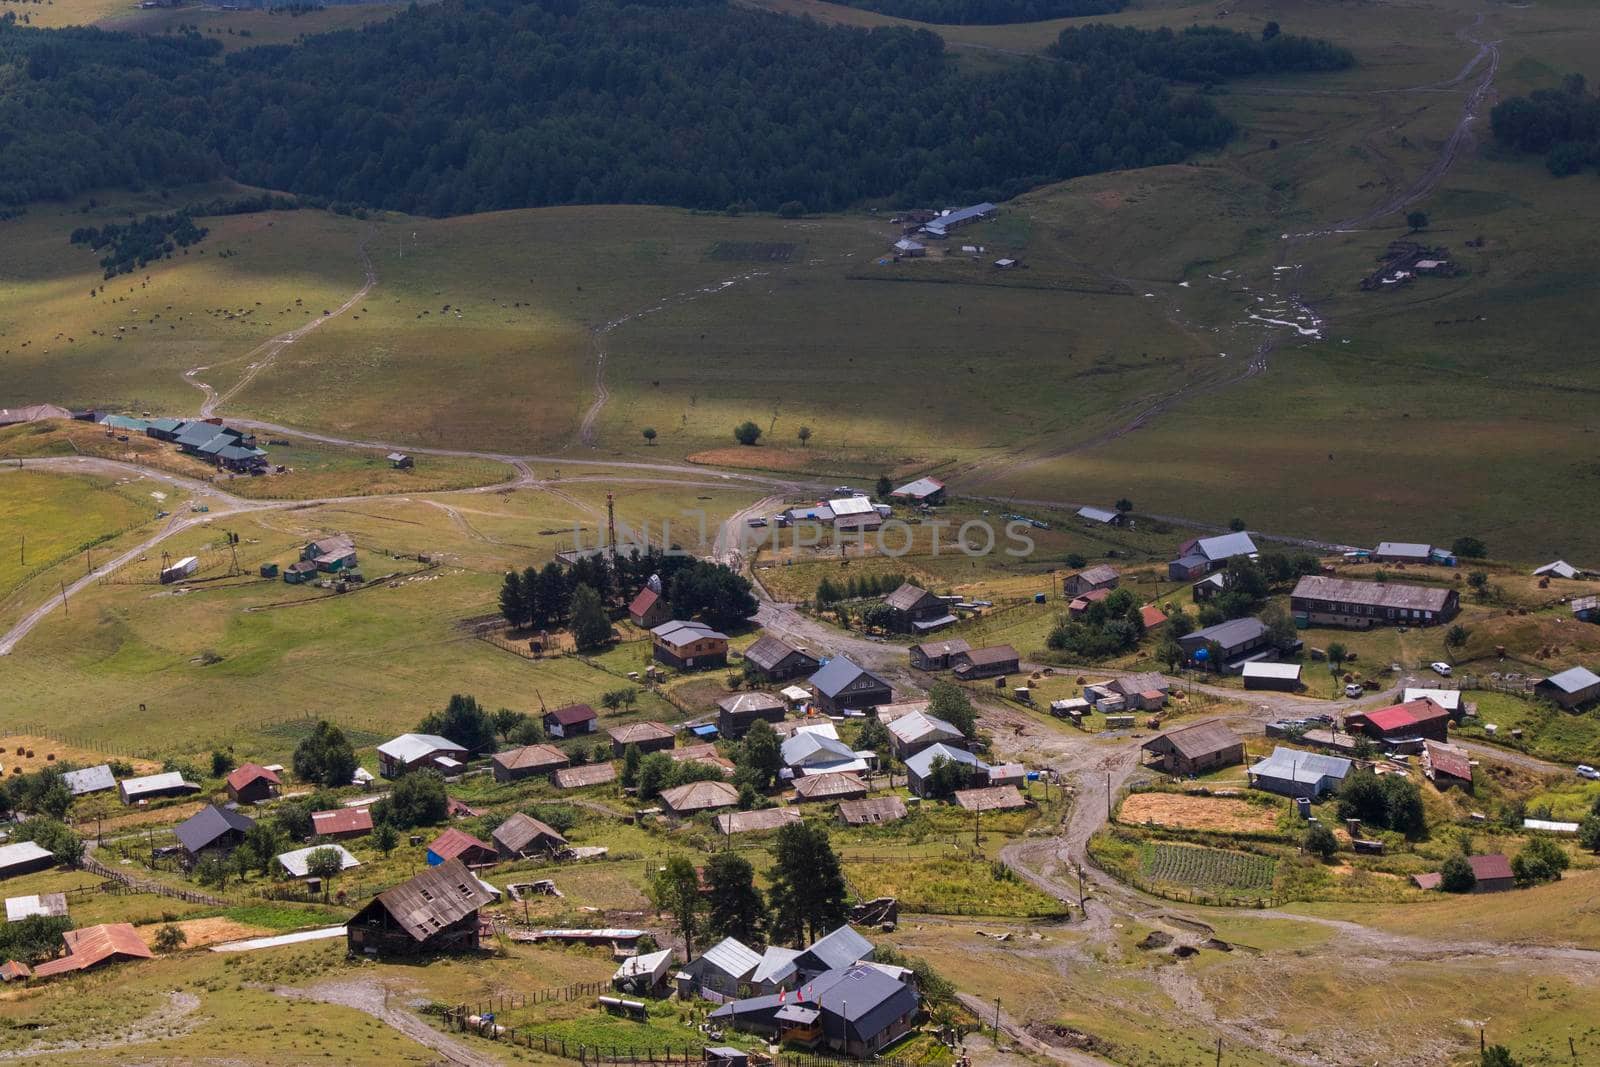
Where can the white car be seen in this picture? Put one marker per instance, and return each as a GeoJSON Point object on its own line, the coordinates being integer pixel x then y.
{"type": "Point", "coordinates": [1353, 690]}
{"type": "Point", "coordinates": [1441, 669]}
{"type": "Point", "coordinates": [1586, 771]}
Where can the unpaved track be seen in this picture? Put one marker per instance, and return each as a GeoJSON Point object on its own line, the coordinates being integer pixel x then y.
{"type": "Point", "coordinates": [369, 996]}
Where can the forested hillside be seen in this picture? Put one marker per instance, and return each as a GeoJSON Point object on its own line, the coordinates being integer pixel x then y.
{"type": "Point", "coordinates": [987, 12]}
{"type": "Point", "coordinates": [1561, 124]}
{"type": "Point", "coordinates": [474, 105]}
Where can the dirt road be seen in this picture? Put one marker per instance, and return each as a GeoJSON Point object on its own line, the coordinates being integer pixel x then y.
{"type": "Point", "coordinates": [370, 996]}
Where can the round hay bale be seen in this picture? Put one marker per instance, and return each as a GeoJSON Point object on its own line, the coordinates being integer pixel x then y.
{"type": "Point", "coordinates": [30, 753]}
{"type": "Point", "coordinates": [49, 757]}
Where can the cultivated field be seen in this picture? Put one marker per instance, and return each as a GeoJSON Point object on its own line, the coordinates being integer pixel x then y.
{"type": "Point", "coordinates": [1221, 814]}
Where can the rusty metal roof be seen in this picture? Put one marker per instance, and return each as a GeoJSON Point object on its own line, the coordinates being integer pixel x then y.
{"type": "Point", "coordinates": [434, 899]}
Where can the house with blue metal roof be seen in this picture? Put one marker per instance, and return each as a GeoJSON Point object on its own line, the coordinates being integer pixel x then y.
{"type": "Point", "coordinates": [854, 1010]}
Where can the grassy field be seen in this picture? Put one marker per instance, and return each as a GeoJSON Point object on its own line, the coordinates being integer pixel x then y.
{"type": "Point", "coordinates": [50, 517]}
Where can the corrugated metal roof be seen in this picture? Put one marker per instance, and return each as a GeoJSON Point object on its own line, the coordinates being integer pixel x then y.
{"type": "Point", "coordinates": [700, 796]}
{"type": "Point", "coordinates": [777, 965]}
{"type": "Point", "coordinates": [769, 651]}
{"type": "Point", "coordinates": [1404, 549]}
{"type": "Point", "coordinates": [732, 957]}
{"type": "Point", "coordinates": [587, 775]}
{"type": "Point", "coordinates": [680, 632]}
{"type": "Point", "coordinates": [1097, 514]}
{"type": "Point", "coordinates": [19, 908]}
{"type": "Point", "coordinates": [209, 825]}
{"type": "Point", "coordinates": [408, 748]}
{"type": "Point", "coordinates": [922, 762]}
{"type": "Point", "coordinates": [840, 947]}
{"type": "Point", "coordinates": [919, 726]}
{"type": "Point", "coordinates": [1493, 867]}
{"type": "Point", "coordinates": [1374, 594]}
{"type": "Point", "coordinates": [1282, 671]}
{"type": "Point", "coordinates": [520, 831]}
{"type": "Point", "coordinates": [244, 774]}
{"type": "Point", "coordinates": [531, 757]}
{"type": "Point", "coordinates": [917, 490]}
{"type": "Point", "coordinates": [1226, 546]}
{"type": "Point", "coordinates": [637, 732]}
{"type": "Point", "coordinates": [434, 899]}
{"type": "Point", "coordinates": [1574, 680]}
{"type": "Point", "coordinates": [744, 822]}
{"type": "Point", "coordinates": [906, 597]}
{"type": "Point", "coordinates": [745, 703]}
{"type": "Point", "coordinates": [296, 862]}
{"type": "Point", "coordinates": [875, 810]}
{"type": "Point", "coordinates": [456, 842]}
{"type": "Point", "coordinates": [155, 783]}
{"type": "Point", "coordinates": [573, 714]}
{"type": "Point", "coordinates": [1228, 634]}
{"type": "Point", "coordinates": [1447, 759]}
{"type": "Point", "coordinates": [807, 747]}
{"type": "Point", "coordinates": [1196, 740]}
{"type": "Point", "coordinates": [93, 945]}
{"type": "Point", "coordinates": [1448, 699]}
{"type": "Point", "coordinates": [342, 821]}
{"type": "Point", "coordinates": [837, 674]}
{"type": "Point", "coordinates": [1305, 768]}
{"type": "Point", "coordinates": [992, 798]}
{"type": "Point", "coordinates": [829, 786]}
{"type": "Point", "coordinates": [89, 780]}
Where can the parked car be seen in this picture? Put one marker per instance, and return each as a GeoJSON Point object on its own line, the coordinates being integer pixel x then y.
{"type": "Point", "coordinates": [1441, 669]}
{"type": "Point", "coordinates": [1354, 689]}
{"type": "Point", "coordinates": [1586, 771]}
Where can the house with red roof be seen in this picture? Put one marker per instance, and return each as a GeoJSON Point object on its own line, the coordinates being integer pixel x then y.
{"type": "Point", "coordinates": [341, 823]}
{"type": "Point", "coordinates": [571, 720]}
{"type": "Point", "coordinates": [1152, 616]}
{"type": "Point", "coordinates": [649, 609]}
{"type": "Point", "coordinates": [94, 945]}
{"type": "Point", "coordinates": [1414, 720]}
{"type": "Point", "coordinates": [251, 783]}
{"type": "Point", "coordinates": [1447, 765]}
{"type": "Point", "coordinates": [456, 844]}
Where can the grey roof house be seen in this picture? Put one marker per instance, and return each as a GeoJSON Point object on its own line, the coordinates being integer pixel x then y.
{"type": "Point", "coordinates": [1292, 773]}
{"type": "Point", "coordinates": [841, 686]}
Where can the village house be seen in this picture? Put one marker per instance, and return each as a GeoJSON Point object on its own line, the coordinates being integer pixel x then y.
{"type": "Point", "coordinates": [331, 554]}
{"type": "Point", "coordinates": [719, 969]}
{"type": "Point", "coordinates": [1145, 691]}
{"type": "Point", "coordinates": [1447, 765]}
{"type": "Point", "coordinates": [689, 645]}
{"type": "Point", "coordinates": [759, 820]}
{"type": "Point", "coordinates": [589, 774]}
{"type": "Point", "coordinates": [570, 720]}
{"type": "Point", "coordinates": [1289, 772]}
{"type": "Point", "coordinates": [212, 830]}
{"type": "Point", "coordinates": [457, 844]}
{"type": "Point", "coordinates": [645, 736]}
{"type": "Point", "coordinates": [696, 797]}
{"type": "Point", "coordinates": [985, 662]}
{"type": "Point", "coordinates": [1210, 587]}
{"type": "Point", "coordinates": [915, 610]}
{"type": "Point", "coordinates": [436, 911]}
{"type": "Point", "coordinates": [841, 685]}
{"type": "Point", "coordinates": [856, 513]}
{"type": "Point", "coordinates": [152, 786]}
{"type": "Point", "coordinates": [813, 752]}
{"type": "Point", "coordinates": [90, 946]}
{"type": "Point", "coordinates": [840, 947]}
{"type": "Point", "coordinates": [920, 767]}
{"type": "Point", "coordinates": [528, 761]}
{"type": "Point", "coordinates": [341, 823]}
{"type": "Point", "coordinates": [936, 655]}
{"type": "Point", "coordinates": [990, 798]}
{"type": "Point", "coordinates": [250, 783]}
{"type": "Point", "coordinates": [1570, 688]}
{"type": "Point", "coordinates": [1493, 874]}
{"type": "Point", "coordinates": [1318, 600]}
{"type": "Point", "coordinates": [522, 835]}
{"type": "Point", "coordinates": [929, 491]}
{"type": "Point", "coordinates": [910, 734]}
{"type": "Point", "coordinates": [872, 812]}
{"type": "Point", "coordinates": [737, 712]}
{"type": "Point", "coordinates": [410, 752]}
{"type": "Point", "coordinates": [1417, 720]}
{"type": "Point", "coordinates": [829, 786]}
{"type": "Point", "coordinates": [1194, 749]}
{"type": "Point", "coordinates": [854, 1010]}
{"type": "Point", "coordinates": [774, 660]}
{"type": "Point", "coordinates": [1206, 554]}
{"type": "Point", "coordinates": [650, 608]}
{"type": "Point", "coordinates": [1401, 552]}
{"type": "Point", "coordinates": [1100, 576]}
{"type": "Point", "coordinates": [1237, 641]}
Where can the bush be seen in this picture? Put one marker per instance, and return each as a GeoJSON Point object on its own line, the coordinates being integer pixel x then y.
{"type": "Point", "coordinates": [418, 799]}
{"type": "Point", "coordinates": [747, 433]}
{"type": "Point", "coordinates": [1456, 875]}
{"type": "Point", "coordinates": [1320, 841]}
{"type": "Point", "coordinates": [325, 757]}
{"type": "Point", "coordinates": [1541, 860]}
{"type": "Point", "coordinates": [169, 938]}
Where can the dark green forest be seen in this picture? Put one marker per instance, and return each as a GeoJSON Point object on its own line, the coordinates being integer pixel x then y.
{"type": "Point", "coordinates": [987, 12]}
{"type": "Point", "coordinates": [1204, 54]}
{"type": "Point", "coordinates": [477, 105]}
{"type": "Point", "coordinates": [1563, 125]}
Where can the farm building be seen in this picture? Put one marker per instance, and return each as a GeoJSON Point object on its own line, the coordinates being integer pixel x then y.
{"type": "Point", "coordinates": [888, 713]}
{"type": "Point", "coordinates": [912, 733]}
{"type": "Point", "coordinates": [32, 413]}
{"type": "Point", "coordinates": [14, 971]}
{"type": "Point", "coordinates": [1570, 688]}
{"type": "Point", "coordinates": [840, 947]}
{"type": "Point", "coordinates": [180, 570]}
{"type": "Point", "coordinates": [1401, 552]}
{"type": "Point", "coordinates": [928, 491]}
{"type": "Point", "coordinates": [705, 754]}
{"type": "Point", "coordinates": [811, 752]}
{"type": "Point", "coordinates": [696, 797]}
{"type": "Point", "coordinates": [1205, 554]}
{"type": "Point", "coordinates": [775, 660]}
{"type": "Point", "coordinates": [1079, 605]}
{"type": "Point", "coordinates": [1282, 676]}
{"type": "Point", "coordinates": [719, 969]}
{"type": "Point", "coordinates": [991, 798]}
{"type": "Point", "coordinates": [1100, 516]}
{"type": "Point", "coordinates": [341, 823]}
{"type": "Point", "coordinates": [436, 911]}
{"type": "Point", "coordinates": [920, 766]}
{"type": "Point", "coordinates": [49, 904]}
{"type": "Point", "coordinates": [93, 945]}
{"type": "Point", "coordinates": [331, 554]}
{"type": "Point", "coordinates": [571, 720]}
{"type": "Point", "coordinates": [775, 971]}
{"type": "Point", "coordinates": [151, 786]}
{"type": "Point", "coordinates": [643, 975]}
{"type": "Point", "coordinates": [297, 864]}
{"type": "Point", "coordinates": [1195, 749]}
{"type": "Point", "coordinates": [1008, 774]}
{"type": "Point", "coordinates": [851, 1010]}
{"type": "Point", "coordinates": [841, 686]}
{"type": "Point", "coordinates": [1187, 568]}
{"type": "Point", "coordinates": [1237, 641]}
{"type": "Point", "coordinates": [829, 786]}
{"type": "Point", "coordinates": [1448, 699]}
{"type": "Point", "coordinates": [649, 609]}
{"type": "Point", "coordinates": [915, 610]}
{"type": "Point", "coordinates": [985, 662]}
{"type": "Point", "coordinates": [1210, 587]}
{"type": "Point", "coordinates": [1559, 569]}
{"type": "Point", "coordinates": [299, 572]}
{"type": "Point", "coordinates": [456, 808]}
{"type": "Point", "coordinates": [410, 752]}
{"type": "Point", "coordinates": [590, 774]}
{"type": "Point", "coordinates": [24, 857]}
{"type": "Point", "coordinates": [856, 513]}
{"type": "Point", "coordinates": [1318, 600]}
{"type": "Point", "coordinates": [942, 224]}
{"type": "Point", "coordinates": [400, 461]}
{"type": "Point", "coordinates": [529, 761]}
{"type": "Point", "coordinates": [212, 830]}
{"type": "Point", "coordinates": [1100, 576]}
{"type": "Point", "coordinates": [1417, 720]}
{"type": "Point", "coordinates": [1289, 772]}
{"type": "Point", "coordinates": [1145, 691]}
{"type": "Point", "coordinates": [936, 655]}
{"type": "Point", "coordinates": [1493, 873]}
{"type": "Point", "coordinates": [739, 711]}
{"type": "Point", "coordinates": [689, 645]}
{"type": "Point", "coordinates": [251, 783]}
{"type": "Point", "coordinates": [752, 822]}
{"type": "Point", "coordinates": [88, 780]}
{"type": "Point", "coordinates": [1586, 608]}
{"type": "Point", "coordinates": [1447, 765]}
{"type": "Point", "coordinates": [456, 844]}
{"type": "Point", "coordinates": [872, 812]}
{"type": "Point", "coordinates": [909, 248]}
{"type": "Point", "coordinates": [522, 835]}
{"type": "Point", "coordinates": [1151, 616]}
{"type": "Point", "coordinates": [645, 736]}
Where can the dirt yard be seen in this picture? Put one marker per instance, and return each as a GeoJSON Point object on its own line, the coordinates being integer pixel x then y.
{"type": "Point", "coordinates": [1220, 814]}
{"type": "Point", "coordinates": [202, 932]}
{"type": "Point", "coordinates": [46, 753]}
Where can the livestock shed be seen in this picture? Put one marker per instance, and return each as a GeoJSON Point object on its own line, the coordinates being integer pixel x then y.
{"type": "Point", "coordinates": [152, 786]}
{"type": "Point", "coordinates": [928, 491]}
{"type": "Point", "coordinates": [341, 823]}
{"type": "Point", "coordinates": [1447, 765]}
{"type": "Point", "coordinates": [435, 911]}
{"type": "Point", "coordinates": [251, 783]}
{"type": "Point", "coordinates": [24, 857]}
{"type": "Point", "coordinates": [298, 862]}
{"type": "Point", "coordinates": [1289, 772]}
{"type": "Point", "coordinates": [834, 785]}
{"type": "Point", "coordinates": [93, 945]}
{"type": "Point", "coordinates": [1195, 749]}
{"type": "Point", "coordinates": [696, 797]}
{"type": "Point", "coordinates": [410, 752]}
{"type": "Point", "coordinates": [88, 780]}
{"type": "Point", "coordinates": [522, 835]}
{"type": "Point", "coordinates": [1401, 552]}
{"type": "Point", "coordinates": [529, 761]}
{"type": "Point", "coordinates": [1100, 576]}
{"type": "Point", "coordinates": [749, 822]}
{"type": "Point", "coordinates": [991, 798]}
{"type": "Point", "coordinates": [1418, 719]}
{"type": "Point", "coordinates": [643, 975]}
{"type": "Point", "coordinates": [915, 609]}
{"type": "Point", "coordinates": [985, 662]}
{"type": "Point", "coordinates": [937, 655]}
{"type": "Point", "coordinates": [1570, 688]}
{"type": "Point", "coordinates": [34, 904]}
{"type": "Point", "coordinates": [589, 774]}
{"type": "Point", "coordinates": [1319, 600]}
{"type": "Point", "coordinates": [457, 844]}
{"type": "Point", "coordinates": [872, 812]}
{"type": "Point", "coordinates": [1280, 676]}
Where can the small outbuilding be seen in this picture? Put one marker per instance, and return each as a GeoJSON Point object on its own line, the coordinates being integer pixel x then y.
{"type": "Point", "coordinates": [251, 783]}
{"type": "Point", "coordinates": [1195, 749]}
{"type": "Point", "coordinates": [571, 720]}
{"type": "Point", "coordinates": [522, 835]}
{"type": "Point", "coordinates": [457, 844]}
{"type": "Point", "coordinates": [1280, 676]}
{"type": "Point", "coordinates": [1571, 688]}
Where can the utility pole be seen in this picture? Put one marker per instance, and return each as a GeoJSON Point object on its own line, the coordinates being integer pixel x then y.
{"type": "Point", "coordinates": [64, 609]}
{"type": "Point", "coordinates": [88, 561]}
{"type": "Point", "coordinates": [24, 560]}
{"type": "Point", "coordinates": [997, 1021]}
{"type": "Point", "coordinates": [1219, 1052]}
{"type": "Point", "coordinates": [1108, 795]}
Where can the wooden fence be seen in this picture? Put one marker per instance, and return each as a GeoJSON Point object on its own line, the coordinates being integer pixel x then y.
{"type": "Point", "coordinates": [143, 885]}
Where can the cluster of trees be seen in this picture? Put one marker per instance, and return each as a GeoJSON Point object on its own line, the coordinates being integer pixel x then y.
{"type": "Point", "coordinates": [290, 822]}
{"type": "Point", "coordinates": [1540, 860]}
{"type": "Point", "coordinates": [34, 939]}
{"type": "Point", "coordinates": [476, 729]}
{"type": "Point", "coordinates": [1561, 124]}
{"type": "Point", "coordinates": [579, 596]}
{"type": "Point", "coordinates": [535, 597]}
{"type": "Point", "coordinates": [1389, 801]}
{"type": "Point", "coordinates": [135, 245]}
{"type": "Point", "coordinates": [1207, 54]}
{"type": "Point", "coordinates": [830, 592]}
{"type": "Point", "coordinates": [479, 105]}
{"type": "Point", "coordinates": [1108, 627]}
{"type": "Point", "coordinates": [805, 896]}
{"type": "Point", "coordinates": [324, 756]}
{"type": "Point", "coordinates": [988, 12]}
